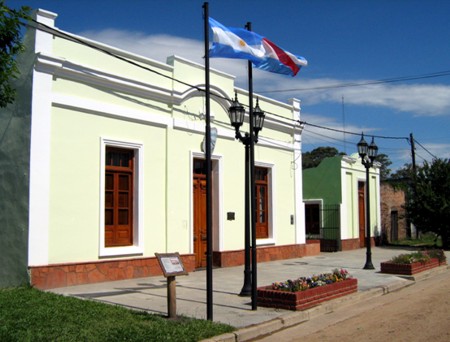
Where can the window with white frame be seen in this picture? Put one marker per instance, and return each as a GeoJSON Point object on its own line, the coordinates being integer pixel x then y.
{"type": "Point", "coordinates": [121, 215]}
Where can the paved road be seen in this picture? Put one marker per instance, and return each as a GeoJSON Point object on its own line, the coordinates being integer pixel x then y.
{"type": "Point", "coordinates": [420, 312]}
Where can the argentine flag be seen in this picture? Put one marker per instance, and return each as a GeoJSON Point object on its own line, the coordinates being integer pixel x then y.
{"type": "Point", "coordinates": [231, 42]}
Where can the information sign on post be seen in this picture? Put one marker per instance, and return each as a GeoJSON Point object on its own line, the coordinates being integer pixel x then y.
{"type": "Point", "coordinates": [171, 266]}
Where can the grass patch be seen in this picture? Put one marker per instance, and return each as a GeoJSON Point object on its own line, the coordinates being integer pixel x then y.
{"type": "Point", "coordinates": [427, 240]}
{"type": "Point", "coordinates": [27, 314]}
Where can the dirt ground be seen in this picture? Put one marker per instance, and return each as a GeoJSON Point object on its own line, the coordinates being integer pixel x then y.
{"type": "Point", "coordinates": [420, 312]}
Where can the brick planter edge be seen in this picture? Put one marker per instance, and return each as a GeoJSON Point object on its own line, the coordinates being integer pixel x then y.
{"type": "Point", "coordinates": [409, 269]}
{"type": "Point", "coordinates": [302, 300]}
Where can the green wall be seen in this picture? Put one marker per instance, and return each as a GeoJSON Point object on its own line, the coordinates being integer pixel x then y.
{"type": "Point", "coordinates": [324, 181]}
{"type": "Point", "coordinates": [15, 126]}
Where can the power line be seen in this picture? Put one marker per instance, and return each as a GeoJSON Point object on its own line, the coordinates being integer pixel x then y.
{"type": "Point", "coordinates": [330, 139]}
{"type": "Point", "coordinates": [431, 154]}
{"type": "Point", "coordinates": [353, 133]}
{"type": "Point", "coordinates": [361, 84]}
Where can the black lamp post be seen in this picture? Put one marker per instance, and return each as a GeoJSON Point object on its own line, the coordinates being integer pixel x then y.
{"type": "Point", "coordinates": [368, 153]}
{"type": "Point", "coordinates": [237, 113]}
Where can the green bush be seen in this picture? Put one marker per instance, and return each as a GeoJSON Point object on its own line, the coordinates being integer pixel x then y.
{"type": "Point", "coordinates": [438, 254]}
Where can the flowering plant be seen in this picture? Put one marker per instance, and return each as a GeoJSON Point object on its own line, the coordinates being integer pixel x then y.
{"type": "Point", "coordinates": [304, 283]}
{"type": "Point", "coordinates": [410, 258]}
{"type": "Point", "coordinates": [422, 257]}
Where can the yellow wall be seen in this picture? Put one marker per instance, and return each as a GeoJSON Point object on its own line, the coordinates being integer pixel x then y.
{"type": "Point", "coordinates": [95, 96]}
{"type": "Point", "coordinates": [75, 182]}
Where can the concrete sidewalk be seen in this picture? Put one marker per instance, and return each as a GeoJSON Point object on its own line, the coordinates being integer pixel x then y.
{"type": "Point", "coordinates": [150, 294]}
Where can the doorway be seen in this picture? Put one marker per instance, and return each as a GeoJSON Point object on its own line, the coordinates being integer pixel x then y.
{"type": "Point", "coordinates": [262, 202]}
{"type": "Point", "coordinates": [394, 225]}
{"type": "Point", "coordinates": [312, 220]}
{"type": "Point", "coordinates": [199, 223]}
{"type": "Point", "coordinates": [362, 213]}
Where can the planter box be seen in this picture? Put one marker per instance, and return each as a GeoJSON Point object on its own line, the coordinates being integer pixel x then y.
{"type": "Point", "coordinates": [409, 269]}
{"type": "Point", "coordinates": [302, 300]}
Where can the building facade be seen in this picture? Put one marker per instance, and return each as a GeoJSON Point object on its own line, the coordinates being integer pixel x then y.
{"type": "Point", "coordinates": [109, 148]}
{"type": "Point", "coordinates": [393, 213]}
{"type": "Point", "coordinates": [335, 202]}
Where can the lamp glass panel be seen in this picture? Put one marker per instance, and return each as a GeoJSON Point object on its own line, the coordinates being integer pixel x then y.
{"type": "Point", "coordinates": [362, 147]}
{"type": "Point", "coordinates": [373, 150]}
{"type": "Point", "coordinates": [258, 120]}
{"type": "Point", "coordinates": [236, 113]}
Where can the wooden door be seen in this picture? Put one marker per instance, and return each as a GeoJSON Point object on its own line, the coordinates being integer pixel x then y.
{"type": "Point", "coordinates": [262, 203]}
{"type": "Point", "coordinates": [119, 197]}
{"type": "Point", "coordinates": [199, 195]}
{"type": "Point", "coordinates": [362, 213]}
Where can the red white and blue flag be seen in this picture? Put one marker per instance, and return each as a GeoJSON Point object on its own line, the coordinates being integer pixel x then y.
{"type": "Point", "coordinates": [231, 42]}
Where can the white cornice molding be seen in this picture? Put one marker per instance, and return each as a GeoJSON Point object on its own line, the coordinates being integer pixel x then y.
{"type": "Point", "coordinates": [281, 125]}
{"type": "Point", "coordinates": [63, 68]}
{"type": "Point", "coordinates": [348, 159]}
{"type": "Point", "coordinates": [60, 67]}
{"type": "Point", "coordinates": [109, 110]}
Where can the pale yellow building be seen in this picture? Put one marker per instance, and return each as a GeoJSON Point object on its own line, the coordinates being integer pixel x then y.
{"type": "Point", "coordinates": [116, 164]}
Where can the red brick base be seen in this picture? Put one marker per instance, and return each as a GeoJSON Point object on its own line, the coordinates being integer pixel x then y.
{"type": "Point", "coordinates": [350, 244]}
{"type": "Point", "coordinates": [61, 275]}
{"type": "Point", "coordinates": [267, 253]}
{"type": "Point", "coordinates": [408, 269]}
{"type": "Point", "coordinates": [302, 300]}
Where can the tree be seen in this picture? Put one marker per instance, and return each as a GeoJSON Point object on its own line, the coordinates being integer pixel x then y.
{"type": "Point", "coordinates": [313, 158]}
{"type": "Point", "coordinates": [10, 46]}
{"type": "Point", "coordinates": [403, 174]}
{"type": "Point", "coordinates": [428, 200]}
{"type": "Point", "coordinates": [385, 162]}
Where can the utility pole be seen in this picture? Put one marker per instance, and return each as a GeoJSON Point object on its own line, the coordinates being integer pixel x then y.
{"type": "Point", "coordinates": [413, 180]}
{"type": "Point", "coordinates": [413, 153]}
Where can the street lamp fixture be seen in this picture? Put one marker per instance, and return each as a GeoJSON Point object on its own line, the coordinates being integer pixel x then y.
{"type": "Point", "coordinates": [258, 119]}
{"type": "Point", "coordinates": [236, 113]}
{"type": "Point", "coordinates": [368, 153]}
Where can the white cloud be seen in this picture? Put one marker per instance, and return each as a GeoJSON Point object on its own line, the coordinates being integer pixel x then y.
{"type": "Point", "coordinates": [161, 46]}
{"type": "Point", "coordinates": [417, 99]}
{"type": "Point", "coordinates": [157, 47]}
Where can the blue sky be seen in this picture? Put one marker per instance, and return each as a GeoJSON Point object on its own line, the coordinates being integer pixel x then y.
{"type": "Point", "coordinates": [344, 42]}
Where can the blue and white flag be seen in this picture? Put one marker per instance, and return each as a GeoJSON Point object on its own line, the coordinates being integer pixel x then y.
{"type": "Point", "coordinates": [231, 42]}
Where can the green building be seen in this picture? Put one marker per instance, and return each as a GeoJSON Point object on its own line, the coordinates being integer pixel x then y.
{"type": "Point", "coordinates": [334, 193]}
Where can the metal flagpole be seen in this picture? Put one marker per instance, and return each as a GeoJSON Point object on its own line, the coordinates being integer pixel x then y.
{"type": "Point", "coordinates": [252, 179]}
{"type": "Point", "coordinates": [209, 275]}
